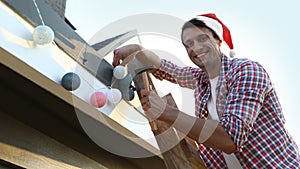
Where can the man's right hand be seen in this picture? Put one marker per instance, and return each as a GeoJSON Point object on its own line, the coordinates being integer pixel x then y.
{"type": "Point", "coordinates": [124, 52]}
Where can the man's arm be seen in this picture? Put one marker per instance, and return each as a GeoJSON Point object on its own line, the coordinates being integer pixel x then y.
{"type": "Point", "coordinates": [184, 76]}
{"type": "Point", "coordinates": [208, 132]}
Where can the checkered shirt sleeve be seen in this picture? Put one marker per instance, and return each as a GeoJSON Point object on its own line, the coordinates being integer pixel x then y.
{"type": "Point", "coordinates": [184, 76]}
{"type": "Point", "coordinates": [249, 84]}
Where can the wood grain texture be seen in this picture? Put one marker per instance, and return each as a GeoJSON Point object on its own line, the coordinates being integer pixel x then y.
{"type": "Point", "coordinates": [28, 159]}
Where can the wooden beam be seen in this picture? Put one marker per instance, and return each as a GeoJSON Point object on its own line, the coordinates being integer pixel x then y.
{"type": "Point", "coordinates": [25, 158]}
{"type": "Point", "coordinates": [181, 156]}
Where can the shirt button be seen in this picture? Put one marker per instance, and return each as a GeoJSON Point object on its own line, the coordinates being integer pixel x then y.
{"type": "Point", "coordinates": [205, 114]}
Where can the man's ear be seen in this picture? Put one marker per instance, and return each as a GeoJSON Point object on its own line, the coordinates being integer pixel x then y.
{"type": "Point", "coordinates": [219, 42]}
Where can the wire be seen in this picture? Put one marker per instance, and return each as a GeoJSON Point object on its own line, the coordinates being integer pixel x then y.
{"type": "Point", "coordinates": [38, 11]}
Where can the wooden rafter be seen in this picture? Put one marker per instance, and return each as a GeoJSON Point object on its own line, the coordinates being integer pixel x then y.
{"type": "Point", "coordinates": [184, 154]}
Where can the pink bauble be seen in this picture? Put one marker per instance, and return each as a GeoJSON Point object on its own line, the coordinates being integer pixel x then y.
{"type": "Point", "coordinates": [98, 99]}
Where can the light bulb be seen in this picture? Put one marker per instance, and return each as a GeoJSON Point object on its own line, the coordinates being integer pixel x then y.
{"type": "Point", "coordinates": [114, 95]}
{"type": "Point", "coordinates": [43, 35]}
{"type": "Point", "coordinates": [70, 81]}
{"type": "Point", "coordinates": [98, 99]}
{"type": "Point", "coordinates": [120, 72]}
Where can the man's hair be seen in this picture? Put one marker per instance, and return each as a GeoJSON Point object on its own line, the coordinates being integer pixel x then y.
{"type": "Point", "coordinates": [199, 24]}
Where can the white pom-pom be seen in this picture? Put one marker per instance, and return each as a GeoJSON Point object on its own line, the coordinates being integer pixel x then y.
{"type": "Point", "coordinates": [120, 72]}
{"type": "Point", "coordinates": [232, 53]}
{"type": "Point", "coordinates": [43, 35]}
{"type": "Point", "coordinates": [114, 95]}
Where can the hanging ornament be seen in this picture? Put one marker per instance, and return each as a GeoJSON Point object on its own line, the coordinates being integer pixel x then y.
{"type": "Point", "coordinates": [131, 93]}
{"type": "Point", "coordinates": [119, 72]}
{"type": "Point", "coordinates": [114, 95]}
{"type": "Point", "coordinates": [98, 99]}
{"type": "Point", "coordinates": [43, 35]}
{"type": "Point", "coordinates": [70, 81]}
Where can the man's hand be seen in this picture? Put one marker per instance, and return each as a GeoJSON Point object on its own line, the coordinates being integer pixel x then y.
{"type": "Point", "coordinates": [137, 54]}
{"type": "Point", "coordinates": [153, 105]}
{"type": "Point", "coordinates": [124, 52]}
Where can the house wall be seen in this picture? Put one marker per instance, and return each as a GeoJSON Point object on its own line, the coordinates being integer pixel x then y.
{"type": "Point", "coordinates": [45, 66]}
{"type": "Point", "coordinates": [30, 104]}
{"type": "Point", "coordinates": [52, 62]}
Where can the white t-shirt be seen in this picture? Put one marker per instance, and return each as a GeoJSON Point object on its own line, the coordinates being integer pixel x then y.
{"type": "Point", "coordinates": [231, 160]}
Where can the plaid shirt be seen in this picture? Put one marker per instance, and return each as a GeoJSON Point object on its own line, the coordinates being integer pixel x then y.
{"type": "Point", "coordinates": [248, 109]}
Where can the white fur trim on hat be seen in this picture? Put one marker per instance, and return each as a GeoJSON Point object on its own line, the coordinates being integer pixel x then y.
{"type": "Point", "coordinates": [212, 24]}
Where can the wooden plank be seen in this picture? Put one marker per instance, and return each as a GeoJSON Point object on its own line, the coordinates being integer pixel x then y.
{"type": "Point", "coordinates": [27, 159]}
{"type": "Point", "coordinates": [181, 156]}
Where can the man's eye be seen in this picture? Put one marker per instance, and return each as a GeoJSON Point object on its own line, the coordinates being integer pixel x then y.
{"type": "Point", "coordinates": [188, 44]}
{"type": "Point", "coordinates": [202, 38]}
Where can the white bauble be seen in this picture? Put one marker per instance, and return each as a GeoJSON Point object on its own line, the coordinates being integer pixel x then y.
{"type": "Point", "coordinates": [114, 95]}
{"type": "Point", "coordinates": [43, 35]}
{"type": "Point", "coordinates": [119, 72]}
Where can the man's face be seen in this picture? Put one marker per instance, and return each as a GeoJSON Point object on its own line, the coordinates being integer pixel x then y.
{"type": "Point", "coordinates": [202, 48]}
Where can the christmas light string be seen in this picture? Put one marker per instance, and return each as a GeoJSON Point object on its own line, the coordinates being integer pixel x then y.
{"type": "Point", "coordinates": [82, 52]}
{"type": "Point", "coordinates": [38, 11]}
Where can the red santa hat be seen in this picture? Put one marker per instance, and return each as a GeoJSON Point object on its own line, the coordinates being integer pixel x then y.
{"type": "Point", "coordinates": [219, 28]}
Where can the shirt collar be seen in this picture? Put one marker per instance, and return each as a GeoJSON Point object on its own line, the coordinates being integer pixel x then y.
{"type": "Point", "coordinates": [225, 66]}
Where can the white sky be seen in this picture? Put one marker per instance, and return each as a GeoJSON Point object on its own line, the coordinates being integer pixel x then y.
{"type": "Point", "coordinates": [265, 31]}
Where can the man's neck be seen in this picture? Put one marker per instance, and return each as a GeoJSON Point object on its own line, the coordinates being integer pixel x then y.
{"type": "Point", "coordinates": [213, 70]}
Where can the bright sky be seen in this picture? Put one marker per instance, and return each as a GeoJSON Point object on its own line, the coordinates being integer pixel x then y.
{"type": "Point", "coordinates": [265, 31]}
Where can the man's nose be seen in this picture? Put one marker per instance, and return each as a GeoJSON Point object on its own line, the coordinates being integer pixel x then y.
{"type": "Point", "coordinates": [197, 46]}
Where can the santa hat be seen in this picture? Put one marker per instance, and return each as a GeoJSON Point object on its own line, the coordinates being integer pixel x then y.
{"type": "Point", "coordinates": [219, 28]}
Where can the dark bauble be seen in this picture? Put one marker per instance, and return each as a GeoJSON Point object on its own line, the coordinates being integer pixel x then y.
{"type": "Point", "coordinates": [70, 81]}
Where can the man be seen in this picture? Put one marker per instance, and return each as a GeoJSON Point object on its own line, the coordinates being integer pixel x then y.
{"type": "Point", "coordinates": [239, 120]}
